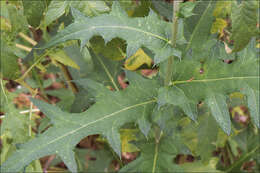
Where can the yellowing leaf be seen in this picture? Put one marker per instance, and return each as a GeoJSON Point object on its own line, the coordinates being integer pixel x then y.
{"type": "Point", "coordinates": [223, 8]}
{"type": "Point", "coordinates": [137, 60]}
{"type": "Point", "coordinates": [5, 25]}
{"type": "Point", "coordinates": [127, 135]}
{"type": "Point", "coordinates": [218, 26]}
{"type": "Point", "coordinates": [258, 45]}
{"type": "Point", "coordinates": [63, 58]}
{"type": "Point", "coordinates": [237, 95]}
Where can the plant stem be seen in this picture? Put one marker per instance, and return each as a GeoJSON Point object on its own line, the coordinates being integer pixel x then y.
{"type": "Point", "coordinates": [173, 41]}
{"type": "Point", "coordinates": [32, 66]}
{"type": "Point", "coordinates": [68, 77]}
{"type": "Point", "coordinates": [30, 115]}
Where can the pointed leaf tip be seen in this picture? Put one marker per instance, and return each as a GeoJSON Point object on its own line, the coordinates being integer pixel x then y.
{"type": "Point", "coordinates": [219, 110]}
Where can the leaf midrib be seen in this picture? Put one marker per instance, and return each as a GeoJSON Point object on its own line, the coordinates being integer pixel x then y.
{"type": "Point", "coordinates": [120, 27]}
{"type": "Point", "coordinates": [108, 73]}
{"type": "Point", "coordinates": [196, 27]}
{"type": "Point", "coordinates": [215, 79]}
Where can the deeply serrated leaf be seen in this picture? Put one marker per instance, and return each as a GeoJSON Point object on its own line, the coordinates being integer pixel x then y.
{"type": "Point", "coordinates": [69, 129]}
{"type": "Point", "coordinates": [150, 32]}
{"type": "Point", "coordinates": [215, 77]}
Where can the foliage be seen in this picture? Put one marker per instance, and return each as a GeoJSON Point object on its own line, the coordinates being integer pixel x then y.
{"type": "Point", "coordinates": [105, 65]}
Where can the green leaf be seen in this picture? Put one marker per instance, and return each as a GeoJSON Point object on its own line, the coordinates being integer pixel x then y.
{"type": "Point", "coordinates": [197, 27]}
{"type": "Point", "coordinates": [107, 115]}
{"type": "Point", "coordinates": [207, 132]}
{"type": "Point", "coordinates": [9, 67]}
{"type": "Point", "coordinates": [150, 32]}
{"type": "Point", "coordinates": [14, 129]}
{"type": "Point", "coordinates": [155, 157]}
{"type": "Point", "coordinates": [244, 21]}
{"type": "Point", "coordinates": [249, 144]}
{"type": "Point", "coordinates": [164, 8]}
{"type": "Point", "coordinates": [82, 58]}
{"type": "Point", "coordinates": [114, 49]}
{"type": "Point", "coordinates": [105, 70]}
{"type": "Point", "coordinates": [95, 67]}
{"type": "Point", "coordinates": [213, 79]}
{"type": "Point", "coordinates": [33, 10]}
{"type": "Point", "coordinates": [90, 8]}
{"type": "Point", "coordinates": [219, 109]}
{"type": "Point", "coordinates": [99, 160]}
{"type": "Point", "coordinates": [66, 98]}
{"type": "Point", "coordinates": [55, 10]}
{"type": "Point", "coordinates": [177, 97]}
{"type": "Point", "coordinates": [253, 104]}
{"type": "Point", "coordinates": [186, 9]}
{"type": "Point", "coordinates": [12, 19]}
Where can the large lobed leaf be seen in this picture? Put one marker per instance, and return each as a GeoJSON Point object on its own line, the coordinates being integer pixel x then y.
{"type": "Point", "coordinates": [106, 116]}
{"type": "Point", "coordinates": [150, 32]}
{"type": "Point", "coordinates": [211, 81]}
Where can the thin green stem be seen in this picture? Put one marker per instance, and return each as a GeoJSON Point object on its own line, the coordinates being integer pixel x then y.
{"type": "Point", "coordinates": [155, 157]}
{"type": "Point", "coordinates": [156, 152]}
{"type": "Point", "coordinates": [30, 115]}
{"type": "Point", "coordinates": [3, 89]}
{"type": "Point", "coordinates": [173, 41]}
{"type": "Point", "coordinates": [242, 159]}
{"type": "Point", "coordinates": [68, 77]}
{"type": "Point", "coordinates": [32, 66]}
